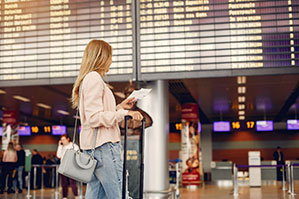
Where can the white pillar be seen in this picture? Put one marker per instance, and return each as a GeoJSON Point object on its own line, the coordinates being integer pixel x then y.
{"type": "Point", "coordinates": [156, 172]}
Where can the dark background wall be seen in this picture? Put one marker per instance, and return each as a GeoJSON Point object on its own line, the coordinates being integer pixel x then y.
{"type": "Point", "coordinates": [235, 146]}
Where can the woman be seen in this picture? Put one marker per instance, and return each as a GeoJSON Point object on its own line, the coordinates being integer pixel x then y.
{"type": "Point", "coordinates": [64, 144]}
{"type": "Point", "coordinates": [98, 110]}
{"type": "Point", "coordinates": [8, 165]}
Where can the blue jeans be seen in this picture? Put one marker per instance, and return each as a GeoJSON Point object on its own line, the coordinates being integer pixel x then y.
{"type": "Point", "coordinates": [106, 182]}
{"type": "Point", "coordinates": [19, 181]}
{"type": "Point", "coordinates": [20, 176]}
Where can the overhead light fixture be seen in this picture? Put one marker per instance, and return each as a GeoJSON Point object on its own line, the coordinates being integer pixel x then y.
{"type": "Point", "coordinates": [62, 112]}
{"type": "Point", "coordinates": [241, 106]}
{"type": "Point", "coordinates": [241, 117]}
{"type": "Point", "coordinates": [45, 106]}
{"type": "Point", "coordinates": [23, 99]}
{"type": "Point", "coordinates": [2, 91]}
{"type": "Point", "coordinates": [241, 89]}
{"type": "Point", "coordinates": [241, 80]}
{"type": "Point", "coordinates": [241, 99]}
{"type": "Point", "coordinates": [241, 112]}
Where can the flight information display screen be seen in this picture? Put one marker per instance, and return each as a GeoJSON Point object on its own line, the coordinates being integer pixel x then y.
{"type": "Point", "coordinates": [191, 35]}
{"type": "Point", "coordinates": [46, 38]}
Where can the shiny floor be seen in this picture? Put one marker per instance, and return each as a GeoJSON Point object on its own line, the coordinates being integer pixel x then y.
{"type": "Point", "coordinates": [208, 191]}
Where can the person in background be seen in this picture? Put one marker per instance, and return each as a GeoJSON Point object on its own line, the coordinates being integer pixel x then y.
{"type": "Point", "coordinates": [48, 176]}
{"type": "Point", "coordinates": [36, 160]}
{"type": "Point", "coordinates": [278, 156]}
{"type": "Point", "coordinates": [64, 144]}
{"type": "Point", "coordinates": [8, 165]}
{"type": "Point", "coordinates": [20, 167]}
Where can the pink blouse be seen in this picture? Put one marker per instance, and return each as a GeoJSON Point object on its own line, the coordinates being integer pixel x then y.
{"type": "Point", "coordinates": [98, 109]}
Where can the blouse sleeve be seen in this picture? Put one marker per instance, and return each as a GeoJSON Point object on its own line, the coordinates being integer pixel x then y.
{"type": "Point", "coordinates": [92, 90]}
{"type": "Point", "coordinates": [59, 151]}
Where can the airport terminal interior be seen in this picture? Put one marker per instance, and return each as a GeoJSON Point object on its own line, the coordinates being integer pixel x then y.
{"type": "Point", "coordinates": [221, 102]}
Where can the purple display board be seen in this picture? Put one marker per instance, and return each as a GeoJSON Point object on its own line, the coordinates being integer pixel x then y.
{"type": "Point", "coordinates": [24, 130]}
{"type": "Point", "coordinates": [58, 130]}
{"type": "Point", "coordinates": [264, 125]}
{"type": "Point", "coordinates": [293, 124]}
{"type": "Point", "coordinates": [223, 126]}
{"type": "Point", "coordinates": [1, 131]}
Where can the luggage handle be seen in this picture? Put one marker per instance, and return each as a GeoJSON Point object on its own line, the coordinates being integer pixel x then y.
{"type": "Point", "coordinates": [127, 117]}
{"type": "Point", "coordinates": [124, 183]}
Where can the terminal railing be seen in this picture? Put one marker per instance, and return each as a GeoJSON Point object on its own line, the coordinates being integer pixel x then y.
{"type": "Point", "coordinates": [290, 172]}
{"type": "Point", "coordinates": [170, 193]}
{"type": "Point", "coordinates": [289, 167]}
{"type": "Point", "coordinates": [55, 179]}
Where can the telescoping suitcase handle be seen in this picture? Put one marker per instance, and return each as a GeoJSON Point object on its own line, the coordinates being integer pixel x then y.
{"type": "Point", "coordinates": [124, 183]}
{"type": "Point", "coordinates": [127, 118]}
{"type": "Point", "coordinates": [141, 151]}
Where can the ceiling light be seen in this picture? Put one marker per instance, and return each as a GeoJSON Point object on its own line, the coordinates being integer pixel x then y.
{"type": "Point", "coordinates": [241, 80]}
{"type": "Point", "coordinates": [242, 117]}
{"type": "Point", "coordinates": [241, 112]}
{"type": "Point", "coordinates": [2, 91]}
{"type": "Point", "coordinates": [62, 112]}
{"type": "Point", "coordinates": [241, 89]}
{"type": "Point", "coordinates": [241, 106]}
{"type": "Point", "coordinates": [23, 99]}
{"type": "Point", "coordinates": [241, 99]}
{"type": "Point", "coordinates": [45, 106]}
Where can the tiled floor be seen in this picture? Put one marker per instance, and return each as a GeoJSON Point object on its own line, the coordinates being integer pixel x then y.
{"type": "Point", "coordinates": [207, 191]}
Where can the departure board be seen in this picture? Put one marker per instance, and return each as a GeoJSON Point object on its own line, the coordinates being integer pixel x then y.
{"type": "Point", "coordinates": [46, 38]}
{"type": "Point", "coordinates": [194, 35]}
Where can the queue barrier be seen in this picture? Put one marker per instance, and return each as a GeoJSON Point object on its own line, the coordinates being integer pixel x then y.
{"type": "Point", "coordinates": [290, 171]}
{"type": "Point", "coordinates": [172, 193]}
{"type": "Point", "coordinates": [54, 169]}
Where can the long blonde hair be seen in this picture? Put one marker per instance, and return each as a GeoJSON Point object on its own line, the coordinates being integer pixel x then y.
{"type": "Point", "coordinates": [97, 57]}
{"type": "Point", "coordinates": [10, 149]}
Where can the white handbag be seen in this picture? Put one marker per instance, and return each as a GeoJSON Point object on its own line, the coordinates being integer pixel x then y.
{"type": "Point", "coordinates": [76, 164]}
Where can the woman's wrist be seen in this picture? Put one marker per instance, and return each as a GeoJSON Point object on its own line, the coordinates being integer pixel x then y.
{"type": "Point", "coordinates": [119, 106]}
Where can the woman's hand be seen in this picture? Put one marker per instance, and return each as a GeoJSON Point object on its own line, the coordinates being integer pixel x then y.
{"type": "Point", "coordinates": [136, 115]}
{"type": "Point", "coordinates": [128, 103]}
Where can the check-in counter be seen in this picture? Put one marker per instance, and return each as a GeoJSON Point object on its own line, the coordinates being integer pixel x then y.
{"type": "Point", "coordinates": [221, 171]}
{"type": "Point", "coordinates": [268, 173]}
{"type": "Point", "coordinates": [296, 170]}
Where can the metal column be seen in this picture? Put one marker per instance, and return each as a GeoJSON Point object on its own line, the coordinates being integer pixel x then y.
{"type": "Point", "coordinates": [235, 180]}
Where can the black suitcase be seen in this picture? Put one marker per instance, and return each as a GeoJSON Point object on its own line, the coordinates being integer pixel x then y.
{"type": "Point", "coordinates": [141, 141]}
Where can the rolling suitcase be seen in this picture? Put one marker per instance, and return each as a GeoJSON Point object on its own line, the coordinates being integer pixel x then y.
{"type": "Point", "coordinates": [141, 151]}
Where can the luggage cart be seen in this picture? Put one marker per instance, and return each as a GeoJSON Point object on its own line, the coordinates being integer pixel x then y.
{"type": "Point", "coordinates": [175, 173]}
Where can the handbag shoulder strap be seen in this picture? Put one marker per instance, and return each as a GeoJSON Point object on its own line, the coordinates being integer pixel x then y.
{"type": "Point", "coordinates": [76, 122]}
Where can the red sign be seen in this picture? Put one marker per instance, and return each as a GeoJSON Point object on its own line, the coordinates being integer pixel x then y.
{"type": "Point", "coordinates": [192, 178]}
{"type": "Point", "coordinates": [10, 117]}
{"type": "Point", "coordinates": [190, 112]}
